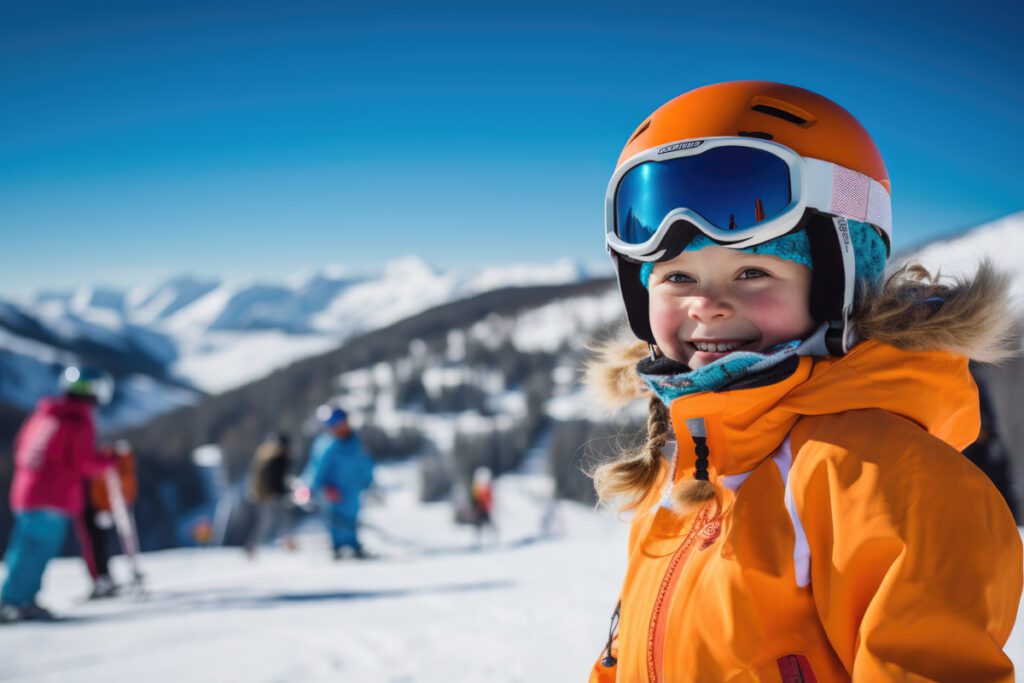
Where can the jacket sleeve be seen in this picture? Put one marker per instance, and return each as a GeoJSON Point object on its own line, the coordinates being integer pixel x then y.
{"type": "Point", "coordinates": [129, 480]}
{"type": "Point", "coordinates": [602, 672]}
{"type": "Point", "coordinates": [916, 562]}
{"type": "Point", "coordinates": [91, 463]}
{"type": "Point", "coordinates": [317, 468]}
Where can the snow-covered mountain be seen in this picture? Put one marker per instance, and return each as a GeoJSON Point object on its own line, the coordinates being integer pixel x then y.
{"type": "Point", "coordinates": [190, 335]}
{"type": "Point", "coordinates": [149, 305]}
{"type": "Point", "coordinates": [35, 345]}
{"type": "Point", "coordinates": [1001, 242]}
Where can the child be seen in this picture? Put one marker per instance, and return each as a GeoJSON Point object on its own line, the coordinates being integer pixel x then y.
{"type": "Point", "coordinates": [54, 454]}
{"type": "Point", "coordinates": [97, 518]}
{"type": "Point", "coordinates": [814, 519]}
{"type": "Point", "coordinates": [481, 496]}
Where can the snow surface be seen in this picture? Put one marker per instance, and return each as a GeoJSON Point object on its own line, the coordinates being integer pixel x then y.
{"type": "Point", "coordinates": [433, 608]}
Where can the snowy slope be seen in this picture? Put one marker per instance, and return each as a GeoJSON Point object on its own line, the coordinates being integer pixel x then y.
{"type": "Point", "coordinates": [434, 609]}
{"type": "Point", "coordinates": [431, 610]}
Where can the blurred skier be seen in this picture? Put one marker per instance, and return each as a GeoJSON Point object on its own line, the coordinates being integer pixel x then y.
{"type": "Point", "coordinates": [98, 518]}
{"type": "Point", "coordinates": [268, 490]}
{"type": "Point", "coordinates": [481, 497]}
{"type": "Point", "coordinates": [988, 452]}
{"type": "Point", "coordinates": [54, 453]}
{"type": "Point", "coordinates": [339, 470]}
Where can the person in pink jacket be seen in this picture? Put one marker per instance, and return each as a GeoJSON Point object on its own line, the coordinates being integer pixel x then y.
{"type": "Point", "coordinates": [54, 453]}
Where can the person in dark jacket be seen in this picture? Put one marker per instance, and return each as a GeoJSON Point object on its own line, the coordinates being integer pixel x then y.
{"type": "Point", "coordinates": [988, 452]}
{"type": "Point", "coordinates": [269, 490]}
{"type": "Point", "coordinates": [54, 454]}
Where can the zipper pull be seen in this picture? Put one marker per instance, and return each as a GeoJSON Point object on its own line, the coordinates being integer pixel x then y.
{"type": "Point", "coordinates": [699, 434]}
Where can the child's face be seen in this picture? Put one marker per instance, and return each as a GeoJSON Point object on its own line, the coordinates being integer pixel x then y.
{"type": "Point", "coordinates": [723, 296]}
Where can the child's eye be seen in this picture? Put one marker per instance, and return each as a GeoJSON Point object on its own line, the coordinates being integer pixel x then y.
{"type": "Point", "coordinates": [679, 278]}
{"type": "Point", "coordinates": [752, 273]}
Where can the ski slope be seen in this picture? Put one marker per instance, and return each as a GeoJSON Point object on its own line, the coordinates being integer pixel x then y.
{"type": "Point", "coordinates": [432, 608]}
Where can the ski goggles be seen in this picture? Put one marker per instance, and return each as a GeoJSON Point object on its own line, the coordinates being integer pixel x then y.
{"type": "Point", "coordinates": [738, 191]}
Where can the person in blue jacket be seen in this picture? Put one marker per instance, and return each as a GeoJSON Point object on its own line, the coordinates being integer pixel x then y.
{"type": "Point", "coordinates": [338, 471]}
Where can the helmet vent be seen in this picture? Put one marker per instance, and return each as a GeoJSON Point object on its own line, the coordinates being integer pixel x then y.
{"type": "Point", "coordinates": [640, 131]}
{"type": "Point", "coordinates": [781, 109]}
{"type": "Point", "coordinates": [779, 113]}
{"type": "Point", "coordinates": [759, 134]}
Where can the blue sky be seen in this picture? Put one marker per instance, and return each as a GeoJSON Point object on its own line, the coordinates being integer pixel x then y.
{"type": "Point", "coordinates": [144, 140]}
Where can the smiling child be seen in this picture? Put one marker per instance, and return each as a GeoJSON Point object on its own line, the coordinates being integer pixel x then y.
{"type": "Point", "coordinates": [802, 511]}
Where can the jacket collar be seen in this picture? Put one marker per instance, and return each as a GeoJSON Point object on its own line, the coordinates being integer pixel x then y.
{"type": "Point", "coordinates": [744, 426]}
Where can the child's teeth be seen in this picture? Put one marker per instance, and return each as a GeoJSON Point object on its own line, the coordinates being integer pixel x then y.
{"type": "Point", "coordinates": [717, 348]}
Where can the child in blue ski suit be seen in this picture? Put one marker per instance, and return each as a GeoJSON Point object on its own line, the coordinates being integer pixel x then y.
{"type": "Point", "coordinates": [338, 471]}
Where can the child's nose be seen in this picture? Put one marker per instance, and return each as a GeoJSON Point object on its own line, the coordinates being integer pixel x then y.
{"type": "Point", "coordinates": [709, 306]}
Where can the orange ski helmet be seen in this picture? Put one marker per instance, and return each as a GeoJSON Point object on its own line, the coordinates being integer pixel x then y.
{"type": "Point", "coordinates": [809, 124]}
{"type": "Point", "coordinates": [812, 126]}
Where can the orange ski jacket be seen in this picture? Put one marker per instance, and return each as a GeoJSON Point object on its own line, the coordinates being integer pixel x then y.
{"type": "Point", "coordinates": [856, 542]}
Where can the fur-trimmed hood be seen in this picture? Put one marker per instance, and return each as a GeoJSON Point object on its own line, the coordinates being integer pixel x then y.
{"type": "Point", "coordinates": [912, 312]}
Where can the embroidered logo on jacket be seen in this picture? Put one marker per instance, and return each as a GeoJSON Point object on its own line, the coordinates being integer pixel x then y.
{"type": "Point", "coordinates": [710, 533]}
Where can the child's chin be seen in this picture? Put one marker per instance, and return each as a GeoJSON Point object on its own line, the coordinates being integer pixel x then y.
{"type": "Point", "coordinates": [701, 358]}
{"type": "Point", "coordinates": [696, 362]}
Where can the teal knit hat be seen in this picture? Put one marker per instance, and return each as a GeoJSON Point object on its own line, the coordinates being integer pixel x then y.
{"type": "Point", "coordinates": [869, 251]}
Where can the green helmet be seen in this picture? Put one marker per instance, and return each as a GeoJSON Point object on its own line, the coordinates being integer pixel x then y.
{"type": "Point", "coordinates": [87, 383]}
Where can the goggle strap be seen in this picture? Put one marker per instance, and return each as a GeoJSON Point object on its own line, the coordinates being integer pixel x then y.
{"type": "Point", "coordinates": [839, 190]}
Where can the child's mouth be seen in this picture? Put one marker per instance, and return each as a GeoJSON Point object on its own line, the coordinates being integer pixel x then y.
{"type": "Point", "coordinates": [713, 349]}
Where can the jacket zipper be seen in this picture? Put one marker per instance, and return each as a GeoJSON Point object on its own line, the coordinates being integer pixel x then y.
{"type": "Point", "coordinates": [655, 631]}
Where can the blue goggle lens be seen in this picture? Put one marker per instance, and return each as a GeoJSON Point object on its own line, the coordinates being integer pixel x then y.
{"type": "Point", "coordinates": [733, 188]}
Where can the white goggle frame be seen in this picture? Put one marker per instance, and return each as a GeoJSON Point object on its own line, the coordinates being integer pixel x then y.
{"type": "Point", "coordinates": [813, 183]}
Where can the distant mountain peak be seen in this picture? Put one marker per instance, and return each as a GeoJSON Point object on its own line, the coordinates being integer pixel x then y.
{"type": "Point", "coordinates": [406, 266]}
{"type": "Point", "coordinates": [89, 297]}
{"type": "Point", "coordinates": [309, 277]}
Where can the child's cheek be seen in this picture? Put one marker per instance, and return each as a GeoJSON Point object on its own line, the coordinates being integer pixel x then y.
{"type": "Point", "coordinates": [779, 315]}
{"type": "Point", "coordinates": [667, 320]}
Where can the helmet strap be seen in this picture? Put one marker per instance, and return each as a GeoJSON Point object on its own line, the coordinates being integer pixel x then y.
{"type": "Point", "coordinates": [833, 279]}
{"type": "Point", "coordinates": [849, 279]}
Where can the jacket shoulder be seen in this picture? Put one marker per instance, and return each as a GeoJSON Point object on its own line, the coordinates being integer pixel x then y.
{"type": "Point", "coordinates": [877, 452]}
